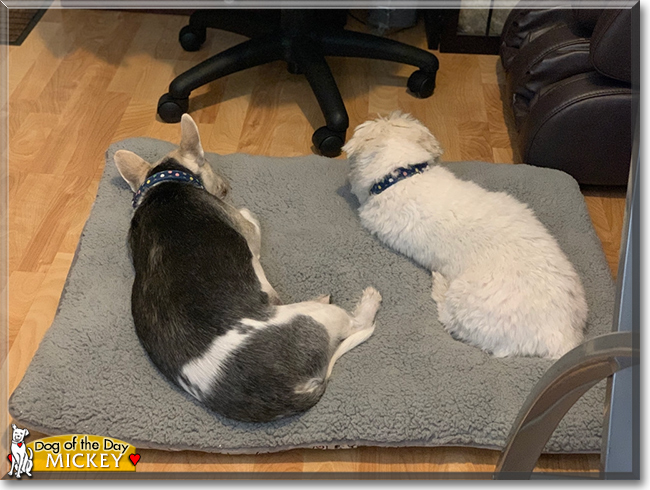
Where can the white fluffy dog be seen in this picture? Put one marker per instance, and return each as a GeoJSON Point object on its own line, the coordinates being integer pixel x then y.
{"type": "Point", "coordinates": [500, 280]}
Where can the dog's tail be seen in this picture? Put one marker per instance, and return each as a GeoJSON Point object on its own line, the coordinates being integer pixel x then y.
{"type": "Point", "coordinates": [362, 320]}
{"type": "Point", "coordinates": [316, 386]}
{"type": "Point", "coordinates": [348, 344]}
{"type": "Point", "coordinates": [31, 453]}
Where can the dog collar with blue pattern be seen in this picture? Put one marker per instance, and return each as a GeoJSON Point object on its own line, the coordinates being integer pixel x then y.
{"type": "Point", "coordinates": [165, 176]}
{"type": "Point", "coordinates": [396, 175]}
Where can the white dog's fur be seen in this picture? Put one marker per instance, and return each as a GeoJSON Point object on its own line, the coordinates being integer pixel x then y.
{"type": "Point", "coordinates": [500, 280]}
{"type": "Point", "coordinates": [21, 455]}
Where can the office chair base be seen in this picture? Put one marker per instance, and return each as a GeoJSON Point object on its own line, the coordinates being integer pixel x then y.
{"type": "Point", "coordinates": [171, 109]}
{"type": "Point", "coordinates": [328, 142]}
{"type": "Point", "coordinates": [305, 50]}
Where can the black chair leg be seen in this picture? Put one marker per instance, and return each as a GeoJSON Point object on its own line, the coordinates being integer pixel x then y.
{"type": "Point", "coordinates": [330, 138]}
{"type": "Point", "coordinates": [249, 54]}
{"type": "Point", "coordinates": [361, 45]}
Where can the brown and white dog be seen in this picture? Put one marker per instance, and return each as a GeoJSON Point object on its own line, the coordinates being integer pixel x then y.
{"type": "Point", "coordinates": [202, 306]}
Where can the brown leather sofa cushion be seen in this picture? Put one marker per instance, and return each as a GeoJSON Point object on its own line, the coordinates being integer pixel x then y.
{"type": "Point", "coordinates": [581, 125]}
{"type": "Point", "coordinates": [585, 20]}
{"type": "Point", "coordinates": [567, 80]}
{"type": "Point", "coordinates": [524, 25]}
{"type": "Point", "coordinates": [611, 44]}
{"type": "Point", "coordinates": [555, 55]}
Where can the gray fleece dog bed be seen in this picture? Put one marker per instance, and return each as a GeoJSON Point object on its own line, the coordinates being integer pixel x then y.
{"type": "Point", "coordinates": [410, 384]}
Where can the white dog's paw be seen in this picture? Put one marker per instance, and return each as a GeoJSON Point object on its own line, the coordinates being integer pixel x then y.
{"type": "Point", "coordinates": [246, 213]}
{"type": "Point", "coordinates": [451, 330]}
{"type": "Point", "coordinates": [439, 287]}
{"type": "Point", "coordinates": [323, 298]}
{"type": "Point", "coordinates": [371, 296]}
{"type": "Point", "coordinates": [500, 353]}
{"type": "Point", "coordinates": [368, 305]}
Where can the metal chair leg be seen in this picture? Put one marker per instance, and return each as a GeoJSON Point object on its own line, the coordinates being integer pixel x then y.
{"type": "Point", "coordinates": [556, 392]}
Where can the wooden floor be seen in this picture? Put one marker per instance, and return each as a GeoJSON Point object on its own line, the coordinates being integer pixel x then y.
{"type": "Point", "coordinates": [85, 79]}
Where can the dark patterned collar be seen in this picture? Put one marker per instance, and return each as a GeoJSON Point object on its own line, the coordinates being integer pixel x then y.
{"type": "Point", "coordinates": [165, 176]}
{"type": "Point", "coordinates": [396, 175]}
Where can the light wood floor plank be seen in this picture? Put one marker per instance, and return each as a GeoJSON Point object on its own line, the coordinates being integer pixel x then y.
{"type": "Point", "coordinates": [23, 289]}
{"type": "Point", "coordinates": [38, 319]}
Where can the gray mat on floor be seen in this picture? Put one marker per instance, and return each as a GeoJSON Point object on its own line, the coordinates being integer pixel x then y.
{"type": "Point", "coordinates": [410, 384]}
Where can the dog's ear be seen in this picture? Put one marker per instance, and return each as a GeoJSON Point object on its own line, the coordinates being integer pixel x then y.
{"type": "Point", "coordinates": [13, 426]}
{"type": "Point", "coordinates": [430, 143]}
{"type": "Point", "coordinates": [190, 139]}
{"type": "Point", "coordinates": [350, 147]}
{"type": "Point", "coordinates": [132, 168]}
{"type": "Point", "coordinates": [26, 433]}
{"type": "Point", "coordinates": [359, 137]}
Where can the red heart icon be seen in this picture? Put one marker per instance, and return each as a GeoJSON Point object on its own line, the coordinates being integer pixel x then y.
{"type": "Point", "coordinates": [20, 444]}
{"type": "Point", "coordinates": [9, 457]}
{"type": "Point", "coordinates": [134, 458]}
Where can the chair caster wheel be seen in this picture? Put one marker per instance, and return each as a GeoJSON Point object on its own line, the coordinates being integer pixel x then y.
{"type": "Point", "coordinates": [192, 37]}
{"type": "Point", "coordinates": [294, 68]}
{"type": "Point", "coordinates": [422, 83]}
{"type": "Point", "coordinates": [328, 142]}
{"type": "Point", "coordinates": [170, 109]}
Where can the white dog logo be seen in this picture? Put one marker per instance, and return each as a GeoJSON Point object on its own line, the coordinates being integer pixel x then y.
{"type": "Point", "coordinates": [20, 460]}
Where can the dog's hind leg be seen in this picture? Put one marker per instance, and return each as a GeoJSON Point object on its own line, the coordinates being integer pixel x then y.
{"type": "Point", "coordinates": [29, 464]}
{"type": "Point", "coordinates": [274, 297]}
{"type": "Point", "coordinates": [440, 287]}
{"type": "Point", "coordinates": [254, 240]}
{"type": "Point", "coordinates": [438, 293]}
{"type": "Point", "coordinates": [254, 237]}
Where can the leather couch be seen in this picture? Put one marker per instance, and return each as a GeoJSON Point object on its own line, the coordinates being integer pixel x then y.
{"type": "Point", "coordinates": [568, 82]}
